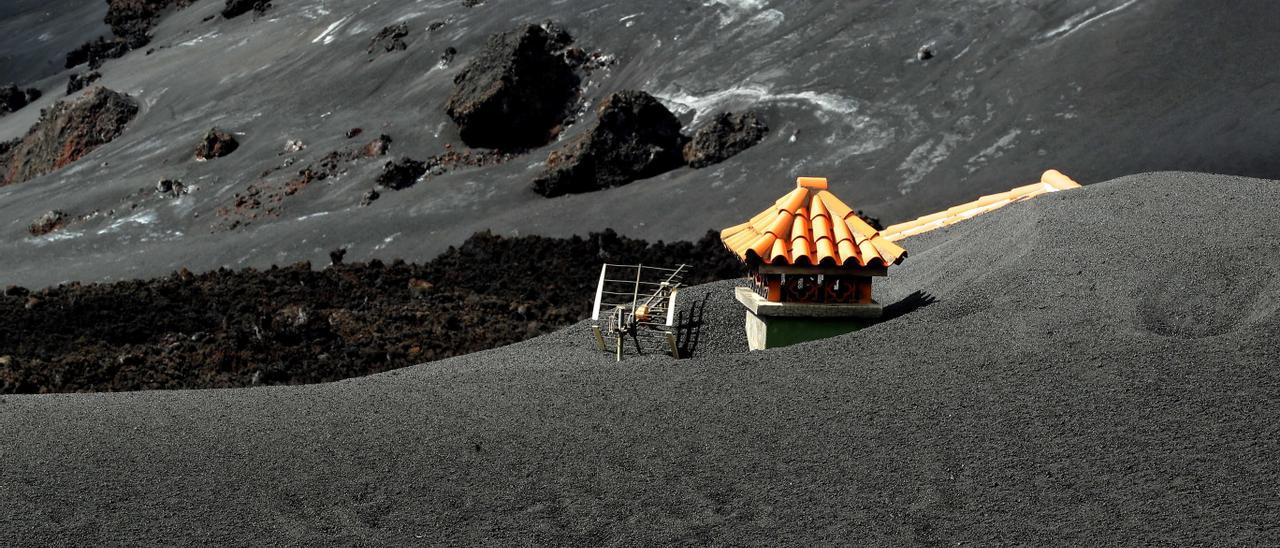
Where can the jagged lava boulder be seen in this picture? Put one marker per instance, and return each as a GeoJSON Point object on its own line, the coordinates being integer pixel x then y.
{"type": "Point", "coordinates": [723, 137]}
{"type": "Point", "coordinates": [13, 99]}
{"type": "Point", "coordinates": [401, 174]}
{"type": "Point", "coordinates": [66, 132]}
{"type": "Point", "coordinates": [390, 38]}
{"type": "Point", "coordinates": [236, 8]}
{"type": "Point", "coordinates": [634, 137]}
{"type": "Point", "coordinates": [215, 144]}
{"type": "Point", "coordinates": [77, 82]}
{"type": "Point", "coordinates": [516, 93]}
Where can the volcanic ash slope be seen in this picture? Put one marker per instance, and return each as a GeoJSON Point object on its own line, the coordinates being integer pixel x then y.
{"type": "Point", "coordinates": [1091, 367]}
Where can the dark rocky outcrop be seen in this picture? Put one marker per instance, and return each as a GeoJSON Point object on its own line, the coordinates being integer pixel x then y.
{"type": "Point", "coordinates": [215, 144]}
{"type": "Point", "coordinates": [95, 52]}
{"type": "Point", "coordinates": [236, 8]}
{"type": "Point", "coordinates": [515, 93]}
{"type": "Point", "coordinates": [446, 58]}
{"type": "Point", "coordinates": [401, 174]}
{"type": "Point", "coordinates": [77, 82]}
{"type": "Point", "coordinates": [634, 137]}
{"type": "Point", "coordinates": [390, 38]}
{"type": "Point", "coordinates": [66, 132]}
{"type": "Point", "coordinates": [12, 99]}
{"type": "Point", "coordinates": [49, 222]}
{"type": "Point", "coordinates": [724, 136]}
{"type": "Point", "coordinates": [131, 22]}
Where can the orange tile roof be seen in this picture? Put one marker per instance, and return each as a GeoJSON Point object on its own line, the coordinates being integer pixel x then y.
{"type": "Point", "coordinates": [1050, 181]}
{"type": "Point", "coordinates": [810, 226]}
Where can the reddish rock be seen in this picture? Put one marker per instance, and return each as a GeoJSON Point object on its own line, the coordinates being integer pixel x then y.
{"type": "Point", "coordinates": [66, 132]}
{"type": "Point", "coordinates": [215, 144]}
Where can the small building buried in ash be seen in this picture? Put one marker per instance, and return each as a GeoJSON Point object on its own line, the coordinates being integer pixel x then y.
{"type": "Point", "coordinates": [811, 258]}
{"type": "Point", "coordinates": [811, 261]}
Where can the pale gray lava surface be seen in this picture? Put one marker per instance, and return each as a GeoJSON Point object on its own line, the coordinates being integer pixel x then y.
{"type": "Point", "coordinates": [1096, 89]}
{"type": "Point", "coordinates": [1099, 368]}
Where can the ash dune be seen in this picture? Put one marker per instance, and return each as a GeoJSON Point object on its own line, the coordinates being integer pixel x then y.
{"type": "Point", "coordinates": [1098, 90]}
{"type": "Point", "coordinates": [1089, 367]}
{"type": "Point", "coordinates": [1094, 366]}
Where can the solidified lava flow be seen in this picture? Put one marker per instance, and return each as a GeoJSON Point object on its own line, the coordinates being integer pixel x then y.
{"type": "Point", "coordinates": [291, 325]}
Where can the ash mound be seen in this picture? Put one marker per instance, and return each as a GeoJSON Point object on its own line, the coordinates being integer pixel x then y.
{"type": "Point", "coordinates": [1032, 387]}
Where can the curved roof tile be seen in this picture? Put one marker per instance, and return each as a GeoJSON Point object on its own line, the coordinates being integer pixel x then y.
{"type": "Point", "coordinates": [810, 226]}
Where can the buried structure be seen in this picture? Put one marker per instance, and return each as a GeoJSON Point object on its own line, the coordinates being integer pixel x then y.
{"type": "Point", "coordinates": [810, 260]}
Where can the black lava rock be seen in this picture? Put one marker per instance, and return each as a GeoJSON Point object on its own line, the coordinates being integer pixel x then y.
{"type": "Point", "coordinates": [401, 174]}
{"type": "Point", "coordinates": [96, 52]}
{"type": "Point", "coordinates": [236, 8]}
{"type": "Point", "coordinates": [724, 136]}
{"type": "Point", "coordinates": [131, 22]}
{"type": "Point", "coordinates": [77, 82]}
{"type": "Point", "coordinates": [13, 99]}
{"type": "Point", "coordinates": [390, 38]}
{"type": "Point", "coordinates": [634, 137]}
{"type": "Point", "coordinates": [513, 95]}
{"type": "Point", "coordinates": [215, 144]}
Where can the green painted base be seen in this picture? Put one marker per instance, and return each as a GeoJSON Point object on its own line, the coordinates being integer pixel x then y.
{"type": "Point", "coordinates": [775, 332]}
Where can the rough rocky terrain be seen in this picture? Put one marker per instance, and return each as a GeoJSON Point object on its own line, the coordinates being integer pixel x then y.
{"type": "Point", "coordinates": [1058, 375]}
{"type": "Point", "coordinates": [297, 324]}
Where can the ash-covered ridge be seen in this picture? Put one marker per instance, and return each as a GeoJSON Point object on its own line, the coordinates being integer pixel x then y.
{"type": "Point", "coordinates": [1055, 374]}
